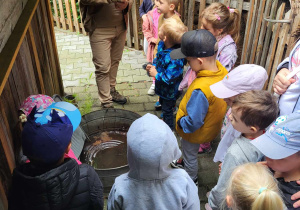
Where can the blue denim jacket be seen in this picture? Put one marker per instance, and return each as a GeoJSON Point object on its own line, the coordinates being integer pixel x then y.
{"type": "Point", "coordinates": [169, 72]}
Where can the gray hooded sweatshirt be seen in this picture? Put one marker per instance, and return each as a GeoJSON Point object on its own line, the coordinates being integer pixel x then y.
{"type": "Point", "coordinates": [151, 183]}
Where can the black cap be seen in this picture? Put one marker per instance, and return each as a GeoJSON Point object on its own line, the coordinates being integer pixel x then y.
{"type": "Point", "coordinates": [197, 43]}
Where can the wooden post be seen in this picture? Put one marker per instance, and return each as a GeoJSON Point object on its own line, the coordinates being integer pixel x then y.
{"type": "Point", "coordinates": [75, 16]}
{"type": "Point", "coordinates": [56, 14]}
{"type": "Point", "coordinates": [68, 10]}
{"type": "Point", "coordinates": [135, 27]}
{"type": "Point", "coordinates": [201, 8]}
{"type": "Point", "coordinates": [239, 5]}
{"type": "Point", "coordinates": [62, 15]}
{"type": "Point", "coordinates": [248, 27]}
{"type": "Point", "coordinates": [227, 3]}
{"type": "Point", "coordinates": [257, 30]}
{"type": "Point", "coordinates": [190, 21]}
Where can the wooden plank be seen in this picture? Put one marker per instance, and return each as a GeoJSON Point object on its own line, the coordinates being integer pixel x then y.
{"type": "Point", "coordinates": [227, 3]}
{"type": "Point", "coordinates": [239, 5]}
{"type": "Point", "coordinates": [295, 25]}
{"type": "Point", "coordinates": [266, 42]}
{"type": "Point", "coordinates": [75, 16]}
{"type": "Point", "coordinates": [257, 30]}
{"type": "Point", "coordinates": [247, 31]}
{"type": "Point", "coordinates": [262, 32]}
{"type": "Point", "coordinates": [68, 10]}
{"type": "Point", "coordinates": [128, 35]}
{"type": "Point", "coordinates": [134, 26]}
{"type": "Point", "coordinates": [191, 12]}
{"type": "Point", "coordinates": [11, 49]}
{"type": "Point", "coordinates": [62, 15]}
{"type": "Point", "coordinates": [37, 61]}
{"type": "Point", "coordinates": [4, 137]}
{"type": "Point", "coordinates": [274, 41]}
{"type": "Point", "coordinates": [279, 52]}
{"type": "Point", "coordinates": [201, 8]}
{"type": "Point", "coordinates": [233, 4]}
{"type": "Point", "coordinates": [56, 14]}
{"type": "Point", "coordinates": [3, 199]}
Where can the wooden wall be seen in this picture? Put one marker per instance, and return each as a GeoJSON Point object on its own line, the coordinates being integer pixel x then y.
{"type": "Point", "coordinates": [28, 65]}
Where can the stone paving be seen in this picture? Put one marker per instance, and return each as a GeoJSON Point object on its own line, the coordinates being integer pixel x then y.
{"type": "Point", "coordinates": [132, 81]}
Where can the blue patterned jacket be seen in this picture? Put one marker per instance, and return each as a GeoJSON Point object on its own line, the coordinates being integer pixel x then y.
{"type": "Point", "coordinates": [169, 72]}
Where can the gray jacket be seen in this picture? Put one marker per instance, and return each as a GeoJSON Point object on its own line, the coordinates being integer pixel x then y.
{"type": "Point", "coordinates": [151, 183]}
{"type": "Point", "coordinates": [240, 152]}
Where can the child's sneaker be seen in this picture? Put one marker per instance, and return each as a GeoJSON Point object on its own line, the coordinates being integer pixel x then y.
{"type": "Point", "coordinates": [151, 90]}
{"type": "Point", "coordinates": [178, 164]}
{"type": "Point", "coordinates": [157, 106]}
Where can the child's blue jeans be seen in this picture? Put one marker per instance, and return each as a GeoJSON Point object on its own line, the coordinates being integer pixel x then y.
{"type": "Point", "coordinates": [167, 110]}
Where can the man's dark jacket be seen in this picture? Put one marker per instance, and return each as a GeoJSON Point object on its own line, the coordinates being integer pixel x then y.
{"type": "Point", "coordinates": [68, 186]}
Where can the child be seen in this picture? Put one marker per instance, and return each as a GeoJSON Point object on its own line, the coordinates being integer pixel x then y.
{"type": "Point", "coordinates": [224, 24]}
{"type": "Point", "coordinates": [41, 102]}
{"type": "Point", "coordinates": [150, 182]}
{"type": "Point", "coordinates": [200, 114]}
{"type": "Point", "coordinates": [252, 187]}
{"type": "Point", "coordinates": [167, 71]}
{"type": "Point", "coordinates": [252, 112]}
{"type": "Point", "coordinates": [51, 181]}
{"type": "Point", "coordinates": [281, 146]}
{"type": "Point", "coordinates": [241, 79]}
{"type": "Point", "coordinates": [145, 7]}
{"type": "Point", "coordinates": [150, 31]}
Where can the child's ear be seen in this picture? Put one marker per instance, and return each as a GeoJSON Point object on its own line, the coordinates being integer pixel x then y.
{"type": "Point", "coordinates": [200, 61]}
{"type": "Point", "coordinates": [229, 201]}
{"type": "Point", "coordinates": [165, 39]}
{"type": "Point", "coordinates": [172, 7]}
{"type": "Point", "coordinates": [254, 129]}
{"type": "Point", "coordinates": [68, 148]}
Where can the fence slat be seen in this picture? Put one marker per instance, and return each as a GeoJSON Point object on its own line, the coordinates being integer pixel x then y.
{"type": "Point", "coordinates": [134, 26]}
{"type": "Point", "coordinates": [279, 52]}
{"type": "Point", "coordinates": [191, 13]}
{"type": "Point", "coordinates": [62, 15]}
{"type": "Point", "coordinates": [248, 27]}
{"type": "Point", "coordinates": [227, 3]}
{"type": "Point", "coordinates": [272, 49]}
{"type": "Point", "coordinates": [56, 14]}
{"type": "Point", "coordinates": [201, 8]}
{"type": "Point", "coordinates": [239, 5]}
{"type": "Point", "coordinates": [295, 26]}
{"type": "Point", "coordinates": [257, 30]}
{"type": "Point", "coordinates": [75, 16]}
{"type": "Point", "coordinates": [266, 42]}
{"type": "Point", "coordinates": [262, 32]}
{"type": "Point", "coordinates": [68, 10]}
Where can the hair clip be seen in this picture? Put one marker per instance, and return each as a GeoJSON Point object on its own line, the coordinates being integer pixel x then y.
{"type": "Point", "coordinates": [218, 17]}
{"type": "Point", "coordinates": [230, 10]}
{"type": "Point", "coordinates": [262, 189]}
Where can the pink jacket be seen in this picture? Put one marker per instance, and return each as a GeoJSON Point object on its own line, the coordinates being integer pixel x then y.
{"type": "Point", "coordinates": [150, 32]}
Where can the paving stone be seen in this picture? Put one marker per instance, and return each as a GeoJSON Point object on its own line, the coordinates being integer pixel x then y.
{"type": "Point", "coordinates": [68, 90]}
{"type": "Point", "coordinates": [71, 47]}
{"type": "Point", "coordinates": [124, 79]}
{"type": "Point", "coordinates": [137, 66]}
{"type": "Point", "coordinates": [139, 85]}
{"type": "Point", "coordinates": [65, 43]}
{"type": "Point", "coordinates": [78, 89]}
{"type": "Point", "coordinates": [67, 77]}
{"type": "Point", "coordinates": [132, 72]}
{"type": "Point", "coordinates": [88, 69]}
{"type": "Point", "coordinates": [124, 66]}
{"type": "Point", "coordinates": [87, 50]}
{"type": "Point", "coordinates": [143, 113]}
{"type": "Point", "coordinates": [134, 107]}
{"type": "Point", "coordinates": [140, 99]}
{"type": "Point", "coordinates": [76, 65]}
{"type": "Point", "coordinates": [123, 86]}
{"type": "Point", "coordinates": [73, 83]}
{"type": "Point", "coordinates": [131, 92]}
{"type": "Point", "coordinates": [138, 78]}
{"type": "Point", "coordinates": [82, 76]}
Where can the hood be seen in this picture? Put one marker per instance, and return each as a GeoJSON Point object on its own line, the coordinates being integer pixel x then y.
{"type": "Point", "coordinates": [52, 189]}
{"type": "Point", "coordinates": [151, 147]}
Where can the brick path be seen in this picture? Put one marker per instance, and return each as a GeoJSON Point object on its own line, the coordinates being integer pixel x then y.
{"type": "Point", "coordinates": [132, 81]}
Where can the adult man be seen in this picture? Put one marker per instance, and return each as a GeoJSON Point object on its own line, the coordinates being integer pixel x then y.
{"type": "Point", "coordinates": [106, 22]}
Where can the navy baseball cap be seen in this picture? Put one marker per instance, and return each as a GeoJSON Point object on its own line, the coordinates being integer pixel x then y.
{"type": "Point", "coordinates": [282, 139]}
{"type": "Point", "coordinates": [47, 133]}
{"type": "Point", "coordinates": [197, 43]}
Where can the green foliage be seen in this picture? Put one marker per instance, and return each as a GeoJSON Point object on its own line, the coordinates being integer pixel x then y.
{"type": "Point", "coordinates": [86, 106]}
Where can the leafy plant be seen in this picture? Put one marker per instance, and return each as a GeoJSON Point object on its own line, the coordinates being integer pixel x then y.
{"type": "Point", "coordinates": [87, 105]}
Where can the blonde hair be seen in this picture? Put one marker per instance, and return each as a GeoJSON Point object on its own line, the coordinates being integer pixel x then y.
{"type": "Point", "coordinates": [253, 187]}
{"type": "Point", "coordinates": [221, 17]}
{"type": "Point", "coordinates": [173, 29]}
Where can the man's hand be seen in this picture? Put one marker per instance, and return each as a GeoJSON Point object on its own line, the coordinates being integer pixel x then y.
{"type": "Point", "coordinates": [281, 84]}
{"type": "Point", "coordinates": [296, 196]}
{"type": "Point", "coordinates": [121, 4]}
{"type": "Point", "coordinates": [152, 71]}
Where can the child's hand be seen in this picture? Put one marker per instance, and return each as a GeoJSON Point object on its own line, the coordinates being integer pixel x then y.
{"type": "Point", "coordinates": [148, 67]}
{"type": "Point", "coordinates": [220, 168]}
{"type": "Point", "coordinates": [152, 71]}
{"type": "Point", "coordinates": [281, 84]}
{"type": "Point", "coordinates": [296, 196]}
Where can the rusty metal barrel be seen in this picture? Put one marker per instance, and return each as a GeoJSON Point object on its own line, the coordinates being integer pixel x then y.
{"type": "Point", "coordinates": [106, 147]}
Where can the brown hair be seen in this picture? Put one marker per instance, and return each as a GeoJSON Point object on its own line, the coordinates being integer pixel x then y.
{"type": "Point", "coordinates": [221, 17]}
{"type": "Point", "coordinates": [252, 187]}
{"type": "Point", "coordinates": [258, 107]}
{"type": "Point", "coordinates": [175, 2]}
{"type": "Point", "coordinates": [173, 29]}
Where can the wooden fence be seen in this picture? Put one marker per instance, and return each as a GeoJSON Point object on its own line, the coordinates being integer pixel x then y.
{"type": "Point", "coordinates": [266, 27]}
{"type": "Point", "coordinates": [28, 65]}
